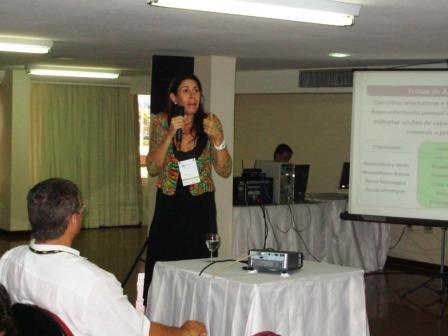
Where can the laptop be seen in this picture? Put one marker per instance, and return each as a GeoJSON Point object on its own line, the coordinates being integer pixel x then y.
{"type": "Point", "coordinates": [301, 173]}
{"type": "Point", "coordinates": [345, 176]}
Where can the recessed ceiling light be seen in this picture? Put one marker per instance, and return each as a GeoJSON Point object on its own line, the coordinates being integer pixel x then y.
{"type": "Point", "coordinates": [73, 72]}
{"type": "Point", "coordinates": [311, 11]}
{"type": "Point", "coordinates": [24, 45]}
{"type": "Point", "coordinates": [339, 55]}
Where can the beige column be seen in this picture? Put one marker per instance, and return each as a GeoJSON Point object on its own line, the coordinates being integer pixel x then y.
{"type": "Point", "coordinates": [217, 75]}
{"type": "Point", "coordinates": [15, 145]}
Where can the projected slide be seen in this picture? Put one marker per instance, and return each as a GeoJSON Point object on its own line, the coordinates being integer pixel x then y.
{"type": "Point", "coordinates": [399, 149]}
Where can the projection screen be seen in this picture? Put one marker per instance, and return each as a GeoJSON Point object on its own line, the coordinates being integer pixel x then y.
{"type": "Point", "coordinates": [399, 148]}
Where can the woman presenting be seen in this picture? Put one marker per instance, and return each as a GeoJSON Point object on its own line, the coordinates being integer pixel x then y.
{"type": "Point", "coordinates": [185, 209]}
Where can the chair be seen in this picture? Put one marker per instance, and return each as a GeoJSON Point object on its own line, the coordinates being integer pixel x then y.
{"type": "Point", "coordinates": [33, 320]}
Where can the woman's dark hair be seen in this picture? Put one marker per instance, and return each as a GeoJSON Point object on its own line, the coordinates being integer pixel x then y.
{"type": "Point", "coordinates": [50, 204]}
{"type": "Point", "coordinates": [197, 127]}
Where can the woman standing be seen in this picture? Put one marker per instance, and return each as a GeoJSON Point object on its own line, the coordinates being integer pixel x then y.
{"type": "Point", "coordinates": [185, 203]}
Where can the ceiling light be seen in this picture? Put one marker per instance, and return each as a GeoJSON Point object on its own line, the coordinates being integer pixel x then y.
{"type": "Point", "coordinates": [339, 55]}
{"type": "Point", "coordinates": [311, 11]}
{"type": "Point", "coordinates": [24, 45]}
{"type": "Point", "coordinates": [73, 73]}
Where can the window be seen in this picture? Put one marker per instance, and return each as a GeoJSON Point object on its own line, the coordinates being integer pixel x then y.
{"type": "Point", "coordinates": [144, 113]}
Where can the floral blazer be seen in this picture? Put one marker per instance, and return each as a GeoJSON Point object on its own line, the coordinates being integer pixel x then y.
{"type": "Point", "coordinates": [169, 172]}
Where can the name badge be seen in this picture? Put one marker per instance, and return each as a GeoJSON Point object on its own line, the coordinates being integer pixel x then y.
{"type": "Point", "coordinates": [189, 172]}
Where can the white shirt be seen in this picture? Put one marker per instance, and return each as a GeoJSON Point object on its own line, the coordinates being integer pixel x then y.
{"type": "Point", "coordinates": [87, 298]}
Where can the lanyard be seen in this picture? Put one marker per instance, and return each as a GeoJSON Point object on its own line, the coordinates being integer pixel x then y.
{"type": "Point", "coordinates": [45, 252]}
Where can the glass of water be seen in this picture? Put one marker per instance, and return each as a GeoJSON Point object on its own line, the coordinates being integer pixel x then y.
{"type": "Point", "coordinates": [212, 241]}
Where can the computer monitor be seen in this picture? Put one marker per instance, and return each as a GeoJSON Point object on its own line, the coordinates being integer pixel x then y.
{"type": "Point", "coordinates": [289, 180]}
{"type": "Point", "coordinates": [345, 176]}
{"type": "Point", "coordinates": [282, 176]}
{"type": "Point", "coordinates": [301, 173]}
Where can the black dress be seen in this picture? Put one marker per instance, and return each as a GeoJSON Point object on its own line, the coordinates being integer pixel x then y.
{"type": "Point", "coordinates": [180, 224]}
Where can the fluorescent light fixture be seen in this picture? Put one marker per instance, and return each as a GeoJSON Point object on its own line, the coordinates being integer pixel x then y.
{"type": "Point", "coordinates": [338, 55]}
{"type": "Point", "coordinates": [73, 73]}
{"type": "Point", "coordinates": [311, 11]}
{"type": "Point", "coordinates": [24, 45]}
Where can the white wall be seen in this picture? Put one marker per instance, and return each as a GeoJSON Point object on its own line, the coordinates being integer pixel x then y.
{"type": "Point", "coordinates": [20, 142]}
{"type": "Point", "coordinates": [276, 81]}
{"type": "Point", "coordinates": [5, 148]}
{"type": "Point", "coordinates": [15, 143]}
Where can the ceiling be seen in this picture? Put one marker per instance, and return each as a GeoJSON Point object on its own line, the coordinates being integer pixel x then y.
{"type": "Point", "coordinates": [124, 34]}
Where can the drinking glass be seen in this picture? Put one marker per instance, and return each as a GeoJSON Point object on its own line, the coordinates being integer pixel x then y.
{"type": "Point", "coordinates": [212, 241]}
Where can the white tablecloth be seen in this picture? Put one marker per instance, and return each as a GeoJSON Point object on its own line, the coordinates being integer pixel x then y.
{"type": "Point", "coordinates": [357, 244]}
{"type": "Point", "coordinates": [318, 300]}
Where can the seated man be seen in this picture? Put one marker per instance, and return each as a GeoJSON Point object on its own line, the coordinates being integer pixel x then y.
{"type": "Point", "coordinates": [51, 274]}
{"type": "Point", "coordinates": [282, 153]}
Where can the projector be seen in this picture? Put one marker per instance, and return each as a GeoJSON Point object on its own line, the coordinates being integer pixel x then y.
{"type": "Point", "coordinates": [275, 261]}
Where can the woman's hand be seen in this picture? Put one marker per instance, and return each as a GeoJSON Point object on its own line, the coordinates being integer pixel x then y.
{"type": "Point", "coordinates": [194, 328]}
{"type": "Point", "coordinates": [176, 123]}
{"type": "Point", "coordinates": [213, 130]}
{"type": "Point", "coordinates": [189, 328]}
{"type": "Point", "coordinates": [222, 162]}
{"type": "Point", "coordinates": [161, 138]}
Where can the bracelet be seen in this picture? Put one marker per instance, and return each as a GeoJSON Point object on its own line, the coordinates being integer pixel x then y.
{"type": "Point", "coordinates": [222, 146]}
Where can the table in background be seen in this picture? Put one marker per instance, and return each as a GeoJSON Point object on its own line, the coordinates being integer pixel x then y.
{"type": "Point", "coordinates": [318, 300]}
{"type": "Point", "coordinates": [357, 244]}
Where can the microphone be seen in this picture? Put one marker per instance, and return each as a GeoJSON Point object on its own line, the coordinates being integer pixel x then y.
{"type": "Point", "coordinates": [179, 135]}
{"type": "Point", "coordinates": [178, 111]}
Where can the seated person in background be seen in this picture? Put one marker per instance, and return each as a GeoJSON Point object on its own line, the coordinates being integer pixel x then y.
{"type": "Point", "coordinates": [52, 275]}
{"type": "Point", "coordinates": [283, 153]}
{"type": "Point", "coordinates": [7, 327]}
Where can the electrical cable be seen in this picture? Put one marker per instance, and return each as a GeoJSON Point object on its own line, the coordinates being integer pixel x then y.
{"type": "Point", "coordinates": [214, 274]}
{"type": "Point", "coordinates": [293, 220]}
{"type": "Point", "coordinates": [399, 238]}
{"type": "Point", "coordinates": [266, 229]}
{"type": "Point", "coordinates": [298, 232]}
{"type": "Point", "coordinates": [212, 263]}
{"type": "Point", "coordinates": [250, 227]}
{"type": "Point", "coordinates": [310, 218]}
{"type": "Point", "coordinates": [274, 235]}
{"type": "Point", "coordinates": [306, 247]}
{"type": "Point", "coordinates": [293, 226]}
{"type": "Point", "coordinates": [284, 231]}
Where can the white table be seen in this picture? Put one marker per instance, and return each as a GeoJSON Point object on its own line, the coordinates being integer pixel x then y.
{"type": "Point", "coordinates": [357, 244]}
{"type": "Point", "coordinates": [318, 300]}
